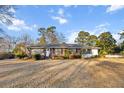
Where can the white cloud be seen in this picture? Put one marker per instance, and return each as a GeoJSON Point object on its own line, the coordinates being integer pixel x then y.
{"type": "Point", "coordinates": [17, 22]}
{"type": "Point", "coordinates": [102, 25]}
{"type": "Point", "coordinates": [121, 31]}
{"type": "Point", "coordinates": [72, 37]}
{"type": "Point", "coordinates": [61, 12]}
{"type": "Point", "coordinates": [61, 20]}
{"type": "Point", "coordinates": [114, 8]}
{"type": "Point", "coordinates": [35, 26]}
{"type": "Point", "coordinates": [100, 28]}
{"type": "Point", "coordinates": [20, 25]}
{"type": "Point", "coordinates": [14, 28]}
{"type": "Point", "coordinates": [116, 36]}
{"type": "Point", "coordinates": [60, 16]}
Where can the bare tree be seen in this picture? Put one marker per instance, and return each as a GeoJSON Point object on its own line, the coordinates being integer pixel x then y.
{"type": "Point", "coordinates": [21, 45]}
{"type": "Point", "coordinates": [6, 17]}
{"type": "Point", "coordinates": [26, 39]}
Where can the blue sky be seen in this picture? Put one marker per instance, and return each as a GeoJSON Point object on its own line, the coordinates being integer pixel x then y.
{"type": "Point", "coordinates": [68, 20]}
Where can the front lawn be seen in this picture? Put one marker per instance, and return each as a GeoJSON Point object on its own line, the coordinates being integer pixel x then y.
{"type": "Point", "coordinates": [62, 73]}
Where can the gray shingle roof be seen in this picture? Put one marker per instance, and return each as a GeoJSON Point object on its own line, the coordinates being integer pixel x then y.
{"type": "Point", "coordinates": [61, 46]}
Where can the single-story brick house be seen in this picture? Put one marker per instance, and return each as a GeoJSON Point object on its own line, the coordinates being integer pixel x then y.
{"type": "Point", "coordinates": [50, 50]}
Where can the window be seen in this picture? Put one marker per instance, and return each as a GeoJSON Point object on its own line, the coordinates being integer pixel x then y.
{"type": "Point", "coordinates": [57, 51]}
{"type": "Point", "coordinates": [88, 51]}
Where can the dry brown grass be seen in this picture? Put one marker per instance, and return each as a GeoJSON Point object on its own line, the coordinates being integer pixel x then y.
{"type": "Point", "coordinates": [62, 73]}
{"type": "Point", "coordinates": [118, 60]}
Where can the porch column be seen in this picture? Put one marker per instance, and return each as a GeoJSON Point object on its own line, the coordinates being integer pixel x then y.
{"type": "Point", "coordinates": [61, 51]}
{"type": "Point", "coordinates": [44, 50]}
{"type": "Point", "coordinates": [53, 51]}
{"type": "Point", "coordinates": [76, 50]}
{"type": "Point", "coordinates": [29, 50]}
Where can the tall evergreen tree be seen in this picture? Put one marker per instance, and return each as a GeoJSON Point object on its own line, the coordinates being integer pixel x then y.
{"type": "Point", "coordinates": [92, 40]}
{"type": "Point", "coordinates": [106, 42]}
{"type": "Point", "coordinates": [42, 33]}
{"type": "Point", "coordinates": [50, 36]}
{"type": "Point", "coordinates": [84, 38]}
{"type": "Point", "coordinates": [122, 39]}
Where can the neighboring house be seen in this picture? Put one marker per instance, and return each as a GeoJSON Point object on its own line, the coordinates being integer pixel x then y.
{"type": "Point", "coordinates": [50, 50]}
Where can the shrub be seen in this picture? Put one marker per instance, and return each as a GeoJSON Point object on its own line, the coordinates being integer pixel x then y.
{"type": "Point", "coordinates": [61, 57]}
{"type": "Point", "coordinates": [67, 53]}
{"type": "Point", "coordinates": [65, 57]}
{"type": "Point", "coordinates": [37, 56]}
{"type": "Point", "coordinates": [7, 55]}
{"type": "Point", "coordinates": [103, 53]}
{"type": "Point", "coordinates": [71, 56]}
{"type": "Point", "coordinates": [11, 55]}
{"type": "Point", "coordinates": [20, 51]}
{"type": "Point", "coordinates": [122, 52]}
{"type": "Point", "coordinates": [20, 56]}
{"type": "Point", "coordinates": [96, 56]}
{"type": "Point", "coordinates": [58, 57]}
{"type": "Point", "coordinates": [117, 50]}
{"type": "Point", "coordinates": [78, 56]}
{"type": "Point", "coordinates": [74, 56]}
